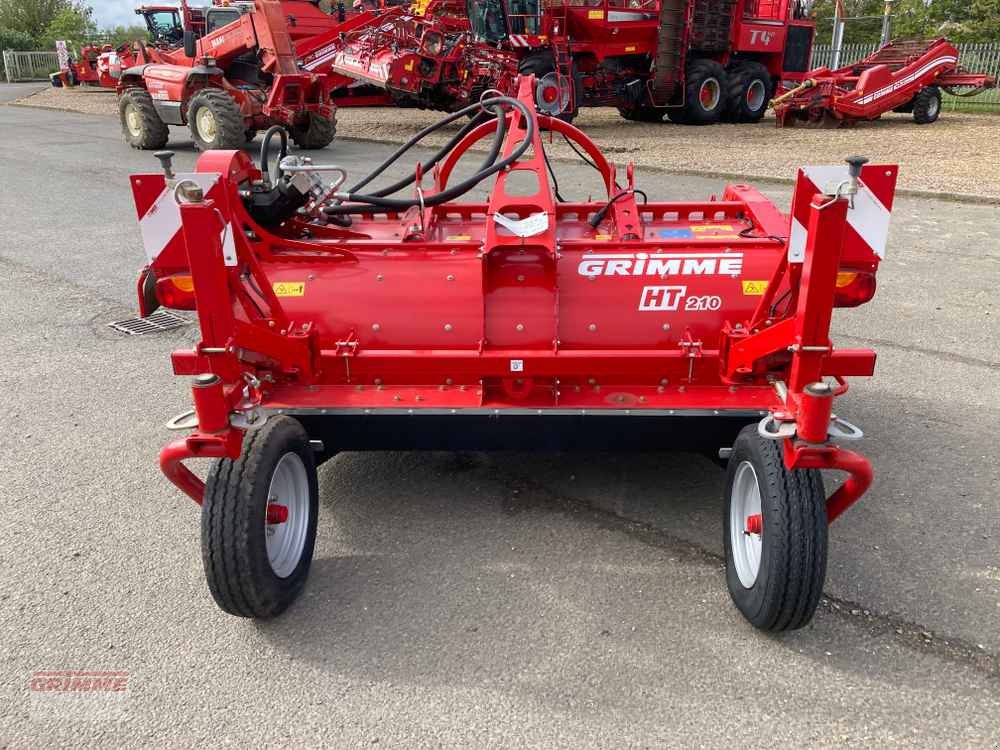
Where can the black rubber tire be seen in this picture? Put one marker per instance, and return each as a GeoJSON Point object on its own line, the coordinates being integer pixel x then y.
{"type": "Point", "coordinates": [542, 64]}
{"type": "Point", "coordinates": [233, 542]}
{"type": "Point", "coordinates": [318, 133]}
{"type": "Point", "coordinates": [230, 129]}
{"type": "Point", "coordinates": [642, 113]}
{"type": "Point", "coordinates": [154, 133]}
{"type": "Point", "coordinates": [927, 105]}
{"type": "Point", "coordinates": [742, 76]}
{"type": "Point", "coordinates": [905, 109]}
{"type": "Point", "coordinates": [794, 541]}
{"type": "Point", "coordinates": [694, 112]}
{"type": "Point", "coordinates": [250, 134]}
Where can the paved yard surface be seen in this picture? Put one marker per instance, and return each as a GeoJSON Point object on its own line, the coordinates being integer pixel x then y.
{"type": "Point", "coordinates": [958, 154]}
{"type": "Point", "coordinates": [503, 600]}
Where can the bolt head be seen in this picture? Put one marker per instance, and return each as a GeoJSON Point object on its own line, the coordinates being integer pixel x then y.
{"type": "Point", "coordinates": [519, 327]}
{"type": "Point", "coordinates": [592, 327]}
{"type": "Point", "coordinates": [376, 327]}
{"type": "Point", "coordinates": [447, 326]}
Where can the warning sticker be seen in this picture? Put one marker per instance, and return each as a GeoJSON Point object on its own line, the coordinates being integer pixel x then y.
{"type": "Point", "coordinates": [289, 288]}
{"type": "Point", "coordinates": [602, 237]}
{"type": "Point", "coordinates": [458, 237]}
{"type": "Point", "coordinates": [754, 288]}
{"type": "Point", "coordinates": [712, 228]}
{"type": "Point", "coordinates": [595, 15]}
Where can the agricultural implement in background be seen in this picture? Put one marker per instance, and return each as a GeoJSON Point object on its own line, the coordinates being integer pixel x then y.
{"type": "Point", "coordinates": [902, 76]}
{"type": "Point", "coordinates": [239, 77]}
{"type": "Point", "coordinates": [336, 316]}
{"type": "Point", "coordinates": [693, 61]}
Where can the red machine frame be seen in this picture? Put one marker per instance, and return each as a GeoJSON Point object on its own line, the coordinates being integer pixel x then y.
{"type": "Point", "coordinates": [267, 348]}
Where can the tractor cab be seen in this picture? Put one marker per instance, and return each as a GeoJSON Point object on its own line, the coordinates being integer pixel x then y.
{"type": "Point", "coordinates": [164, 25]}
{"type": "Point", "coordinates": [494, 21]}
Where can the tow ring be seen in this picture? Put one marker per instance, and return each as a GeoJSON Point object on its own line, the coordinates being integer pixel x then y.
{"type": "Point", "coordinates": [187, 420]}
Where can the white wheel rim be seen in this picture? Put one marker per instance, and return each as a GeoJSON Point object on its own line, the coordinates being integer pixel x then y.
{"type": "Point", "coordinates": [709, 94]}
{"type": "Point", "coordinates": [744, 503]}
{"type": "Point", "coordinates": [756, 92]}
{"type": "Point", "coordinates": [290, 490]}
{"type": "Point", "coordinates": [205, 122]}
{"type": "Point", "coordinates": [133, 120]}
{"type": "Point", "coordinates": [933, 106]}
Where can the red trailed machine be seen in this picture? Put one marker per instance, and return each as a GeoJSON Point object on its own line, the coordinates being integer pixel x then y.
{"type": "Point", "coordinates": [902, 76]}
{"type": "Point", "coordinates": [335, 316]}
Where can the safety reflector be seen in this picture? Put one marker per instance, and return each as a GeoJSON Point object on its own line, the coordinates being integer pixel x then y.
{"type": "Point", "coordinates": [161, 320]}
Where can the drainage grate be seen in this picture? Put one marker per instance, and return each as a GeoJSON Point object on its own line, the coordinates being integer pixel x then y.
{"type": "Point", "coordinates": [161, 320]}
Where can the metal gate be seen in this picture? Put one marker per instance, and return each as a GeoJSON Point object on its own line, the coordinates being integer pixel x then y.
{"type": "Point", "coordinates": [29, 66]}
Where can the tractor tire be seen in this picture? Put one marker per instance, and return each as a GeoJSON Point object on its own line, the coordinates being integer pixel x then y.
{"type": "Point", "coordinates": [704, 93]}
{"type": "Point", "coordinates": [215, 121]}
{"type": "Point", "coordinates": [318, 133]}
{"type": "Point", "coordinates": [642, 113]}
{"type": "Point", "coordinates": [141, 125]}
{"type": "Point", "coordinates": [255, 564]}
{"type": "Point", "coordinates": [927, 105]}
{"type": "Point", "coordinates": [543, 64]}
{"type": "Point", "coordinates": [776, 562]}
{"type": "Point", "coordinates": [748, 92]}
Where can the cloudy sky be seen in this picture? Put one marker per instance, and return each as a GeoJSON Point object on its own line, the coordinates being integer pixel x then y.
{"type": "Point", "coordinates": [117, 12]}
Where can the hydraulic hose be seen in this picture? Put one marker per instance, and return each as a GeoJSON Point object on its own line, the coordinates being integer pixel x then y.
{"type": "Point", "coordinates": [452, 192]}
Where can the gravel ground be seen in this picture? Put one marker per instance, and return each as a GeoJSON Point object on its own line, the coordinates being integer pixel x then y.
{"type": "Point", "coordinates": [958, 155]}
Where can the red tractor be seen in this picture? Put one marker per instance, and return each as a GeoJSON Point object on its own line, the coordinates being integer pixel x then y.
{"type": "Point", "coordinates": [240, 76]}
{"type": "Point", "coordinates": [694, 61]}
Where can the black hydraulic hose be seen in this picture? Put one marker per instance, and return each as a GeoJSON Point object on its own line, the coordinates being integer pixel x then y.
{"type": "Point", "coordinates": [428, 165]}
{"type": "Point", "coordinates": [461, 188]}
{"type": "Point", "coordinates": [395, 155]}
{"type": "Point", "coordinates": [265, 149]}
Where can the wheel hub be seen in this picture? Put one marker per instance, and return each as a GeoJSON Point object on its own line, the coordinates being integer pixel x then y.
{"type": "Point", "coordinates": [755, 95]}
{"type": "Point", "coordinates": [746, 524]}
{"type": "Point", "coordinates": [207, 127]}
{"type": "Point", "coordinates": [133, 120]}
{"type": "Point", "coordinates": [709, 94]}
{"type": "Point", "coordinates": [286, 521]}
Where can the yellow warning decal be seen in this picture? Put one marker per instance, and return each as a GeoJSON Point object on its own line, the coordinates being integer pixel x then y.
{"type": "Point", "coordinates": [714, 237]}
{"type": "Point", "coordinates": [602, 237]}
{"type": "Point", "coordinates": [409, 66]}
{"type": "Point", "coordinates": [458, 237]}
{"type": "Point", "coordinates": [754, 288]}
{"type": "Point", "coordinates": [595, 15]}
{"type": "Point", "coordinates": [630, 48]}
{"type": "Point", "coordinates": [712, 228]}
{"type": "Point", "coordinates": [289, 288]}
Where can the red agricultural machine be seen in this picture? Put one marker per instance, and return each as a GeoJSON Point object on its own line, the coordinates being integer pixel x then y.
{"type": "Point", "coordinates": [694, 61]}
{"type": "Point", "coordinates": [240, 76]}
{"type": "Point", "coordinates": [336, 316]}
{"type": "Point", "coordinates": [902, 76]}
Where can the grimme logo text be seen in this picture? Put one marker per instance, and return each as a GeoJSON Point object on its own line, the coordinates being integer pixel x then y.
{"type": "Point", "coordinates": [663, 264]}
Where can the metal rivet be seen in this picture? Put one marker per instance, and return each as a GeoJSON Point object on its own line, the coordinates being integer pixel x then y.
{"type": "Point", "coordinates": [454, 251]}
{"type": "Point", "coordinates": [447, 326]}
{"type": "Point", "coordinates": [448, 381]}
{"type": "Point", "coordinates": [379, 277]}
{"type": "Point", "coordinates": [664, 381]}
{"type": "Point", "coordinates": [519, 327]}
{"type": "Point", "coordinates": [666, 326]}
{"type": "Point", "coordinates": [376, 327]}
{"type": "Point", "coordinates": [397, 397]}
{"type": "Point", "coordinates": [419, 398]}
{"type": "Point", "coordinates": [520, 277]}
{"type": "Point", "coordinates": [378, 381]}
{"type": "Point", "coordinates": [592, 327]}
{"type": "Point", "coordinates": [451, 277]}
{"type": "Point", "coordinates": [592, 381]}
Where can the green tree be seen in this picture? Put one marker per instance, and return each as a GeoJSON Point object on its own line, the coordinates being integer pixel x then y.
{"type": "Point", "coordinates": [31, 16]}
{"type": "Point", "coordinates": [121, 34]}
{"type": "Point", "coordinates": [74, 24]}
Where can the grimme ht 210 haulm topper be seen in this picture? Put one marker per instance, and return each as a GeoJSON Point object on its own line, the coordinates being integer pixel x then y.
{"type": "Point", "coordinates": [352, 318]}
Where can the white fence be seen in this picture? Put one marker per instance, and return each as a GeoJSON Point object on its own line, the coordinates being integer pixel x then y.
{"type": "Point", "coordinates": [29, 66]}
{"type": "Point", "coordinates": [976, 58]}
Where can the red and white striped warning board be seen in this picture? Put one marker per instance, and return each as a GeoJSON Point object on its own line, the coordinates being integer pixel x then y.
{"type": "Point", "coordinates": [868, 218]}
{"type": "Point", "coordinates": [160, 215]}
